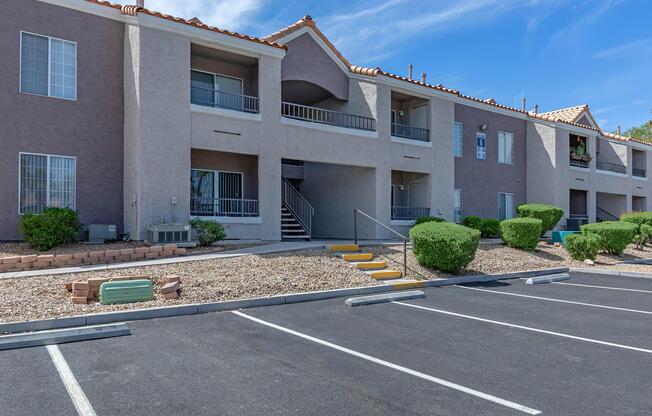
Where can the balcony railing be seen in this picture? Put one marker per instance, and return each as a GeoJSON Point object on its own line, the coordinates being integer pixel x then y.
{"type": "Point", "coordinates": [322, 116]}
{"type": "Point", "coordinates": [409, 132]}
{"type": "Point", "coordinates": [639, 172]}
{"type": "Point", "coordinates": [611, 167]}
{"type": "Point", "coordinates": [223, 207]}
{"type": "Point", "coordinates": [409, 213]}
{"type": "Point", "coordinates": [579, 163]}
{"type": "Point", "coordinates": [221, 99]}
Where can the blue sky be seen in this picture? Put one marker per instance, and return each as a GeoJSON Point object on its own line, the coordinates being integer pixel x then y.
{"type": "Point", "coordinates": [557, 53]}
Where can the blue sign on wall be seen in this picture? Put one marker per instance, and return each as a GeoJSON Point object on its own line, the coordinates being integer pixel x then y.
{"type": "Point", "coordinates": [481, 145]}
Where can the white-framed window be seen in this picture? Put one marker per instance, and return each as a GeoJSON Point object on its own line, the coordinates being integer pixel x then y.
{"type": "Point", "coordinates": [505, 206]}
{"type": "Point", "coordinates": [481, 145]}
{"type": "Point", "coordinates": [459, 139]}
{"type": "Point", "coordinates": [216, 90]}
{"type": "Point", "coordinates": [48, 66]}
{"type": "Point", "coordinates": [46, 181]}
{"type": "Point", "coordinates": [457, 206]}
{"type": "Point", "coordinates": [505, 147]}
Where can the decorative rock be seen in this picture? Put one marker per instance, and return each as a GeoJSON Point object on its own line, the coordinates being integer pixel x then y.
{"type": "Point", "coordinates": [171, 295]}
{"type": "Point", "coordinates": [589, 262]}
{"type": "Point", "coordinates": [170, 287]}
{"type": "Point", "coordinates": [79, 299]}
{"type": "Point", "coordinates": [170, 279]}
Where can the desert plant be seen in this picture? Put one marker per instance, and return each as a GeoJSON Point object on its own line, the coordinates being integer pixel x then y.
{"type": "Point", "coordinates": [490, 227]}
{"type": "Point", "coordinates": [208, 232]}
{"type": "Point", "coordinates": [642, 234]}
{"type": "Point", "coordinates": [642, 220]}
{"type": "Point", "coordinates": [421, 220]}
{"type": "Point", "coordinates": [444, 246]}
{"type": "Point", "coordinates": [472, 221]}
{"type": "Point", "coordinates": [548, 214]}
{"type": "Point", "coordinates": [614, 235]}
{"type": "Point", "coordinates": [521, 232]}
{"type": "Point", "coordinates": [51, 228]}
{"type": "Point", "coordinates": [582, 246]}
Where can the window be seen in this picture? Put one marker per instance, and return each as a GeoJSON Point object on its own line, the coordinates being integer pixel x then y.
{"type": "Point", "coordinates": [46, 181]}
{"type": "Point", "coordinates": [505, 206]}
{"type": "Point", "coordinates": [505, 147]}
{"type": "Point", "coordinates": [459, 138]}
{"type": "Point", "coordinates": [216, 90]}
{"type": "Point", "coordinates": [48, 66]}
{"type": "Point", "coordinates": [457, 206]}
{"type": "Point", "coordinates": [481, 146]}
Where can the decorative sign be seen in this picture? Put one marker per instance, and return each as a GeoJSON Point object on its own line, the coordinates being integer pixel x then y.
{"type": "Point", "coordinates": [481, 145]}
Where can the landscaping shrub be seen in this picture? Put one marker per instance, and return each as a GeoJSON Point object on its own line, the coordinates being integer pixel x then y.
{"type": "Point", "coordinates": [444, 246]}
{"type": "Point", "coordinates": [208, 231]}
{"type": "Point", "coordinates": [582, 246]}
{"type": "Point", "coordinates": [472, 222]}
{"type": "Point", "coordinates": [642, 234]}
{"type": "Point", "coordinates": [614, 235]}
{"type": "Point", "coordinates": [548, 214]}
{"type": "Point", "coordinates": [642, 220]}
{"type": "Point", "coordinates": [521, 232]}
{"type": "Point", "coordinates": [421, 220]}
{"type": "Point", "coordinates": [490, 227]}
{"type": "Point", "coordinates": [51, 228]}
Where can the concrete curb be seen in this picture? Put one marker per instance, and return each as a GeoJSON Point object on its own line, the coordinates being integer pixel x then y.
{"type": "Point", "coordinates": [200, 308]}
{"type": "Point", "coordinates": [613, 273]}
{"type": "Point", "coordinates": [547, 279]}
{"type": "Point", "coordinates": [385, 297]}
{"type": "Point", "coordinates": [60, 336]}
{"type": "Point", "coordinates": [638, 261]}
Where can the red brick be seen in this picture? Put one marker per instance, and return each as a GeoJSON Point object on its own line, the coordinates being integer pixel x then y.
{"type": "Point", "coordinates": [80, 256]}
{"type": "Point", "coordinates": [112, 253]}
{"type": "Point", "coordinates": [11, 260]}
{"type": "Point", "coordinates": [69, 286]}
{"type": "Point", "coordinates": [63, 257]}
{"type": "Point", "coordinates": [126, 251]}
{"type": "Point", "coordinates": [28, 259]}
{"type": "Point", "coordinates": [40, 264]}
{"type": "Point", "coordinates": [170, 287]}
{"type": "Point", "coordinates": [7, 267]}
{"type": "Point", "coordinates": [79, 299]}
{"type": "Point", "coordinates": [136, 256]}
{"type": "Point", "coordinates": [171, 295]}
{"type": "Point", "coordinates": [173, 278]}
{"type": "Point", "coordinates": [45, 257]}
{"type": "Point", "coordinates": [141, 250]}
{"type": "Point", "coordinates": [155, 249]}
{"type": "Point", "coordinates": [169, 247]}
{"type": "Point", "coordinates": [167, 253]}
{"type": "Point", "coordinates": [180, 251]}
{"type": "Point", "coordinates": [80, 285]}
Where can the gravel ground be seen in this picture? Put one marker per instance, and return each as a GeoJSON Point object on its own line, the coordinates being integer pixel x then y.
{"type": "Point", "coordinates": [202, 281]}
{"type": "Point", "coordinates": [498, 258]}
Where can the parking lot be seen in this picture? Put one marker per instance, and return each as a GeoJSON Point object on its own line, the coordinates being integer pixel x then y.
{"type": "Point", "coordinates": [579, 347]}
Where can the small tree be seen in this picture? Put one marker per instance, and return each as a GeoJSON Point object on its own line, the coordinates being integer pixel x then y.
{"type": "Point", "coordinates": [208, 232]}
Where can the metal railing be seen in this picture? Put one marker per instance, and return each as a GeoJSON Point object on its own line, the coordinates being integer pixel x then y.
{"type": "Point", "coordinates": [611, 167]}
{"type": "Point", "coordinates": [604, 215]}
{"type": "Point", "coordinates": [221, 99]}
{"type": "Point", "coordinates": [409, 213]}
{"type": "Point", "coordinates": [639, 172]}
{"type": "Point", "coordinates": [298, 205]}
{"type": "Point", "coordinates": [410, 132]}
{"type": "Point", "coordinates": [322, 116]}
{"type": "Point", "coordinates": [223, 207]}
{"type": "Point", "coordinates": [355, 234]}
{"type": "Point", "coordinates": [579, 163]}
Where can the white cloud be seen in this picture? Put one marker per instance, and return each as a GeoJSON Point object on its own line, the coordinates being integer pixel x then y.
{"type": "Point", "coordinates": [225, 14]}
{"type": "Point", "coordinates": [637, 46]}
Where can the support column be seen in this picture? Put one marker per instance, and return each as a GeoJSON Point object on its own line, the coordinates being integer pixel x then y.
{"type": "Point", "coordinates": [383, 181]}
{"type": "Point", "coordinates": [442, 178]}
{"type": "Point", "coordinates": [591, 203]}
{"type": "Point", "coordinates": [269, 191]}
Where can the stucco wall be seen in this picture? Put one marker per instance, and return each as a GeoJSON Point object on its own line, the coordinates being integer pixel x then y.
{"type": "Point", "coordinates": [611, 152]}
{"type": "Point", "coordinates": [482, 180]}
{"type": "Point", "coordinates": [230, 162]}
{"type": "Point", "coordinates": [89, 128]}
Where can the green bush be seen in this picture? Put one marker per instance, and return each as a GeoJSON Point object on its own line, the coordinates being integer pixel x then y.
{"type": "Point", "coordinates": [53, 227]}
{"type": "Point", "coordinates": [548, 214]}
{"type": "Point", "coordinates": [642, 220]}
{"type": "Point", "coordinates": [582, 246]}
{"type": "Point", "coordinates": [208, 231]}
{"type": "Point", "coordinates": [614, 235]}
{"type": "Point", "coordinates": [472, 222]}
{"type": "Point", "coordinates": [521, 232]}
{"type": "Point", "coordinates": [490, 227]}
{"type": "Point", "coordinates": [421, 220]}
{"type": "Point", "coordinates": [444, 246]}
{"type": "Point", "coordinates": [643, 233]}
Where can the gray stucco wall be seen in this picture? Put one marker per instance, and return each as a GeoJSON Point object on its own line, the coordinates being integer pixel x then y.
{"type": "Point", "coordinates": [89, 128]}
{"type": "Point", "coordinates": [482, 180]}
{"type": "Point", "coordinates": [230, 162]}
{"type": "Point", "coordinates": [610, 152]}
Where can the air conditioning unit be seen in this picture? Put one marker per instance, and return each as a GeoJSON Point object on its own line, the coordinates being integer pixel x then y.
{"type": "Point", "coordinates": [180, 234]}
{"type": "Point", "coordinates": [99, 233]}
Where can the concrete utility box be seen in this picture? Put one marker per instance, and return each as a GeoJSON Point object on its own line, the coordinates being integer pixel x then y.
{"type": "Point", "coordinates": [126, 291]}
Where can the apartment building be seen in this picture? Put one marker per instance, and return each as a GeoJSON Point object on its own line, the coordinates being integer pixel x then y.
{"type": "Point", "coordinates": [133, 117]}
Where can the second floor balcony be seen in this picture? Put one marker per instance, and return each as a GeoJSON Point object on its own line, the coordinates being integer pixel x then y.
{"type": "Point", "coordinates": [410, 132]}
{"type": "Point", "coordinates": [611, 167]}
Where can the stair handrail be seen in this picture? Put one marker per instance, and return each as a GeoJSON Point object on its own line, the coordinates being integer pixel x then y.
{"type": "Point", "coordinates": [355, 234]}
{"type": "Point", "coordinates": [609, 216]}
{"type": "Point", "coordinates": [298, 205]}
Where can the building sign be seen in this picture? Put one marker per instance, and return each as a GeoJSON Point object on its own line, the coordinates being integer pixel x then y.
{"type": "Point", "coordinates": [481, 145]}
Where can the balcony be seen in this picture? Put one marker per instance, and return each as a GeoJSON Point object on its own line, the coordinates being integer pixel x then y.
{"type": "Point", "coordinates": [410, 132]}
{"type": "Point", "coordinates": [611, 167]}
{"type": "Point", "coordinates": [329, 117]}
{"type": "Point", "coordinates": [579, 151]}
{"type": "Point", "coordinates": [219, 99]}
{"type": "Point", "coordinates": [639, 163]}
{"type": "Point", "coordinates": [409, 213]}
{"type": "Point", "coordinates": [639, 172]}
{"type": "Point", "coordinates": [223, 207]}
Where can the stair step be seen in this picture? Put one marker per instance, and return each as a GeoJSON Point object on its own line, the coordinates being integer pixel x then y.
{"type": "Point", "coordinates": [344, 247]}
{"type": "Point", "coordinates": [296, 237]}
{"type": "Point", "coordinates": [357, 256]}
{"type": "Point", "coordinates": [292, 225]}
{"type": "Point", "coordinates": [385, 274]}
{"type": "Point", "coordinates": [298, 230]}
{"type": "Point", "coordinates": [371, 265]}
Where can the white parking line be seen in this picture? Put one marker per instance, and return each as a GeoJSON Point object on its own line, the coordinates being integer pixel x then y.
{"type": "Point", "coordinates": [527, 328]}
{"type": "Point", "coordinates": [75, 392]}
{"type": "Point", "coordinates": [593, 305]}
{"type": "Point", "coordinates": [397, 367]}
{"type": "Point", "coordinates": [604, 287]}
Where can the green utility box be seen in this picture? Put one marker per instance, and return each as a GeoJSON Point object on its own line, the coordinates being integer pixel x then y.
{"type": "Point", "coordinates": [126, 291]}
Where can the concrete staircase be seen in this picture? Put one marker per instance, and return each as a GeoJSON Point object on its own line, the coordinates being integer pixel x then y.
{"type": "Point", "coordinates": [291, 229]}
{"type": "Point", "coordinates": [364, 261]}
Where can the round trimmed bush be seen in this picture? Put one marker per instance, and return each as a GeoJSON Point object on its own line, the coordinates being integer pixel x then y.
{"type": "Point", "coordinates": [208, 231]}
{"type": "Point", "coordinates": [642, 220]}
{"type": "Point", "coordinates": [421, 220]}
{"type": "Point", "coordinates": [472, 222]}
{"type": "Point", "coordinates": [614, 235]}
{"type": "Point", "coordinates": [548, 214]}
{"type": "Point", "coordinates": [521, 232]}
{"type": "Point", "coordinates": [51, 228]}
{"type": "Point", "coordinates": [444, 246]}
{"type": "Point", "coordinates": [490, 227]}
{"type": "Point", "coordinates": [582, 246]}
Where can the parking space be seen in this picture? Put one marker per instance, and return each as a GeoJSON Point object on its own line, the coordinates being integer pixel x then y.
{"type": "Point", "coordinates": [491, 349]}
